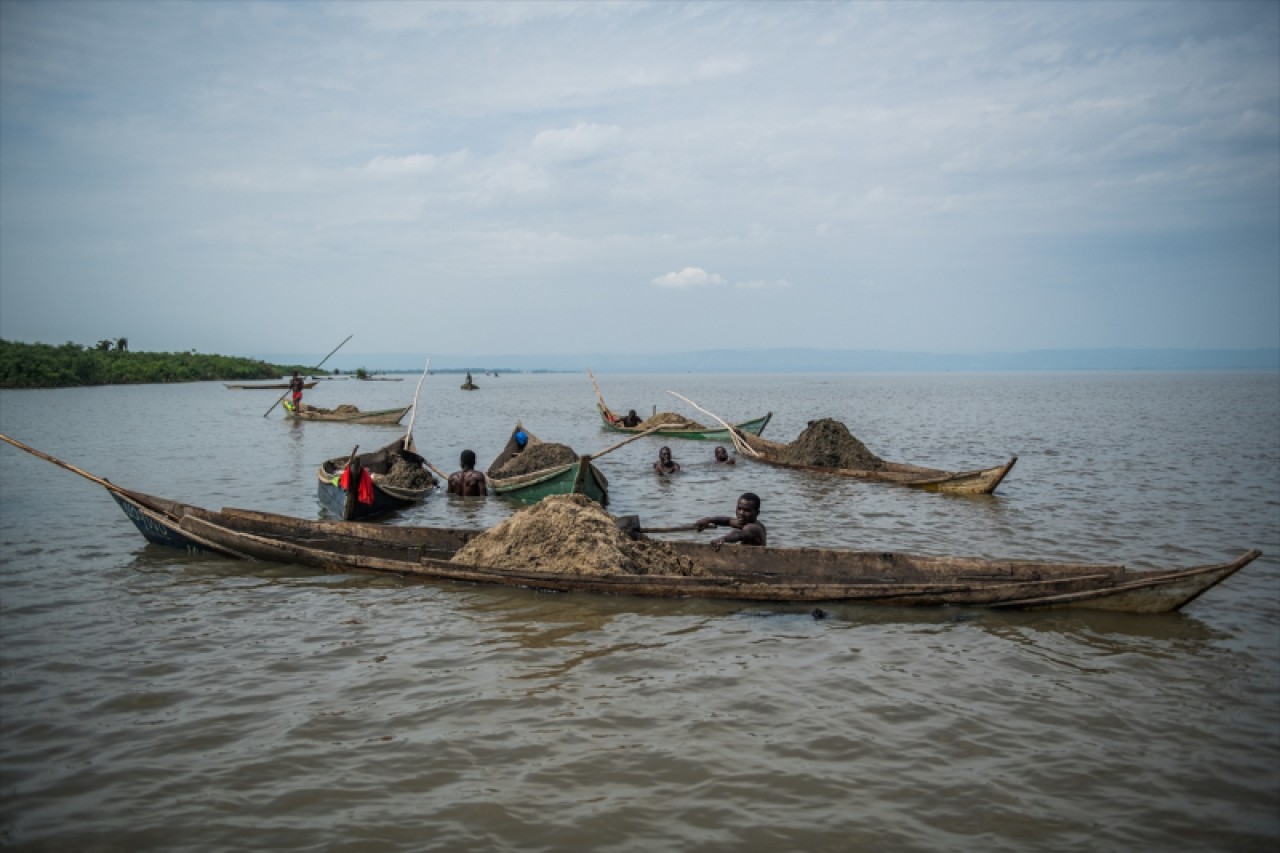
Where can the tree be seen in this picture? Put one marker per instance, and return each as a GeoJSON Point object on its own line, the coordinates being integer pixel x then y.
{"type": "Point", "coordinates": [122, 345]}
{"type": "Point", "coordinates": [104, 345]}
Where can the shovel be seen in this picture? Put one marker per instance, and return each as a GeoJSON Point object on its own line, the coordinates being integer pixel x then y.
{"type": "Point", "coordinates": [630, 525]}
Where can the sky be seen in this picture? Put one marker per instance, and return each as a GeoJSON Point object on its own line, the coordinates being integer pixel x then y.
{"type": "Point", "coordinates": [243, 177]}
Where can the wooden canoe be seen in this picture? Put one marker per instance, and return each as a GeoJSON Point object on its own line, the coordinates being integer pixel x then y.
{"type": "Point", "coordinates": [382, 497]}
{"type": "Point", "coordinates": [981, 481]}
{"type": "Point", "coordinates": [775, 575]}
{"type": "Point", "coordinates": [755, 426]}
{"type": "Point", "coordinates": [579, 477]}
{"type": "Point", "coordinates": [379, 417]}
{"type": "Point", "coordinates": [267, 386]}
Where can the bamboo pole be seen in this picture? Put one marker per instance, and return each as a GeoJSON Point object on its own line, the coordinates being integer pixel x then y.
{"type": "Point", "coordinates": [626, 440]}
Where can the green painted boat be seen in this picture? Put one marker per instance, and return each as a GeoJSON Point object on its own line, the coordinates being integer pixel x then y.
{"type": "Point", "coordinates": [685, 428]}
{"type": "Point", "coordinates": [613, 422]}
{"type": "Point", "coordinates": [579, 477]}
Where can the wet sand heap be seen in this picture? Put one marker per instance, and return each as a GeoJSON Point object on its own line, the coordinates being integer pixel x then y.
{"type": "Point", "coordinates": [404, 473]}
{"type": "Point", "coordinates": [829, 444]}
{"type": "Point", "coordinates": [344, 409]}
{"type": "Point", "coordinates": [669, 419]}
{"type": "Point", "coordinates": [571, 534]}
{"type": "Point", "coordinates": [536, 457]}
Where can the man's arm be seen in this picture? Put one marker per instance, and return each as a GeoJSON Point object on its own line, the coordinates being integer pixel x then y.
{"type": "Point", "coordinates": [713, 521]}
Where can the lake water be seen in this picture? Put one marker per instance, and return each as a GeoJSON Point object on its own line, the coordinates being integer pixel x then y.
{"type": "Point", "coordinates": [154, 701]}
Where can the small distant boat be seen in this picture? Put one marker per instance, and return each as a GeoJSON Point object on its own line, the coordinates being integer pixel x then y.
{"type": "Point", "coordinates": [579, 477]}
{"type": "Point", "coordinates": [267, 386]}
{"type": "Point", "coordinates": [357, 487]}
{"type": "Point", "coordinates": [469, 385]}
{"type": "Point", "coordinates": [347, 415]}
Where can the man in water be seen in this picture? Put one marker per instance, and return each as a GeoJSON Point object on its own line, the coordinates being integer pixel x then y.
{"type": "Point", "coordinates": [468, 482]}
{"type": "Point", "coordinates": [747, 529]}
{"type": "Point", "coordinates": [295, 386]}
{"type": "Point", "coordinates": [631, 419]}
{"type": "Point", "coordinates": [722, 455]}
{"type": "Point", "coordinates": [665, 464]}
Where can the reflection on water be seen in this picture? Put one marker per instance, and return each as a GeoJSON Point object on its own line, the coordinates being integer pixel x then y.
{"type": "Point", "coordinates": [148, 695]}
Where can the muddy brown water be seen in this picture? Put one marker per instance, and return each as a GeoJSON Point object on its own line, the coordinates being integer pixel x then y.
{"type": "Point", "coordinates": [152, 701]}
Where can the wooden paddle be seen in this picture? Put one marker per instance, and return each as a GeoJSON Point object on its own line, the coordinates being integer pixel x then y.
{"type": "Point", "coordinates": [626, 440]}
{"type": "Point", "coordinates": [317, 367]}
{"type": "Point", "coordinates": [733, 432]}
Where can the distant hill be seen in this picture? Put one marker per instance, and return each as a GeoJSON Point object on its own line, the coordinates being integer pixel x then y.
{"type": "Point", "coordinates": [798, 360]}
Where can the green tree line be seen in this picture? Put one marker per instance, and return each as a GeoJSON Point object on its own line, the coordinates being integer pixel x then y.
{"type": "Point", "coordinates": [46, 366]}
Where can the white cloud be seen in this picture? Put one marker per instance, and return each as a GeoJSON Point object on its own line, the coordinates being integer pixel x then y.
{"type": "Point", "coordinates": [579, 142]}
{"type": "Point", "coordinates": [687, 278]}
{"type": "Point", "coordinates": [413, 164]}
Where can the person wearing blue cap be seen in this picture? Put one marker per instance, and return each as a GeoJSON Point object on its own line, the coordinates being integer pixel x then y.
{"type": "Point", "coordinates": [522, 438]}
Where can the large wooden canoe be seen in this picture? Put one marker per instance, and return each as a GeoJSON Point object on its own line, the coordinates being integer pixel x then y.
{"type": "Point", "coordinates": [579, 477]}
{"type": "Point", "coordinates": [981, 481]}
{"type": "Point", "coordinates": [776, 575]}
{"type": "Point", "coordinates": [381, 497]}
{"type": "Point", "coordinates": [755, 426]}
{"type": "Point", "coordinates": [379, 417]}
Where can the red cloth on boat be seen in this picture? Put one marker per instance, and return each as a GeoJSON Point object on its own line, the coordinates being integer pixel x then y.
{"type": "Point", "coordinates": [364, 493]}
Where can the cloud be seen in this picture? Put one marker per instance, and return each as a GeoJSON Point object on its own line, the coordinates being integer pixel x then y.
{"type": "Point", "coordinates": [688, 278]}
{"type": "Point", "coordinates": [413, 164]}
{"type": "Point", "coordinates": [579, 142]}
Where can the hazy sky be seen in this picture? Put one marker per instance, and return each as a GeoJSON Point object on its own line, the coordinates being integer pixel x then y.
{"type": "Point", "coordinates": [532, 177]}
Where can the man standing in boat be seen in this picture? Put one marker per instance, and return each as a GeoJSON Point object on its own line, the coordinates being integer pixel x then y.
{"type": "Point", "coordinates": [631, 419]}
{"type": "Point", "coordinates": [295, 387]}
{"type": "Point", "coordinates": [469, 483]}
{"type": "Point", "coordinates": [747, 529]}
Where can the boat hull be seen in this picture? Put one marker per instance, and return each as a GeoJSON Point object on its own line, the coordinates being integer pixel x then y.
{"type": "Point", "coordinates": [981, 481]}
{"type": "Point", "coordinates": [754, 426]}
{"type": "Point", "coordinates": [381, 417]}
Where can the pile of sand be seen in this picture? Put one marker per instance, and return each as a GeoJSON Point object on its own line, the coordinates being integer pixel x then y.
{"type": "Point", "coordinates": [829, 444]}
{"type": "Point", "coordinates": [404, 473]}
{"type": "Point", "coordinates": [344, 409]}
{"type": "Point", "coordinates": [536, 457]}
{"type": "Point", "coordinates": [668, 419]}
{"type": "Point", "coordinates": [571, 534]}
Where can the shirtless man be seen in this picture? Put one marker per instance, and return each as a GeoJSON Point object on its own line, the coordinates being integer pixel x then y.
{"type": "Point", "coordinates": [631, 419]}
{"type": "Point", "coordinates": [665, 464]}
{"type": "Point", "coordinates": [722, 455]}
{"type": "Point", "coordinates": [747, 528]}
{"type": "Point", "coordinates": [468, 482]}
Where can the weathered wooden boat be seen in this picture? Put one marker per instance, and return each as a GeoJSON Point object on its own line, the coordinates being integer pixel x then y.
{"type": "Point", "coordinates": [765, 574]}
{"type": "Point", "coordinates": [686, 429]}
{"type": "Point", "coordinates": [775, 575]}
{"type": "Point", "coordinates": [579, 477]}
{"type": "Point", "coordinates": [613, 422]}
{"type": "Point", "coordinates": [981, 481]}
{"type": "Point", "coordinates": [379, 417]}
{"type": "Point", "coordinates": [267, 386]}
{"type": "Point", "coordinates": [358, 486]}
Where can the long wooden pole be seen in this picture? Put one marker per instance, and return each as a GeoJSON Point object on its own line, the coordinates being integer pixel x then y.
{"type": "Point", "coordinates": [733, 433]}
{"type": "Point", "coordinates": [626, 440]}
{"type": "Point", "coordinates": [599, 396]}
{"type": "Point", "coordinates": [317, 367]}
{"type": "Point", "coordinates": [408, 434]}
